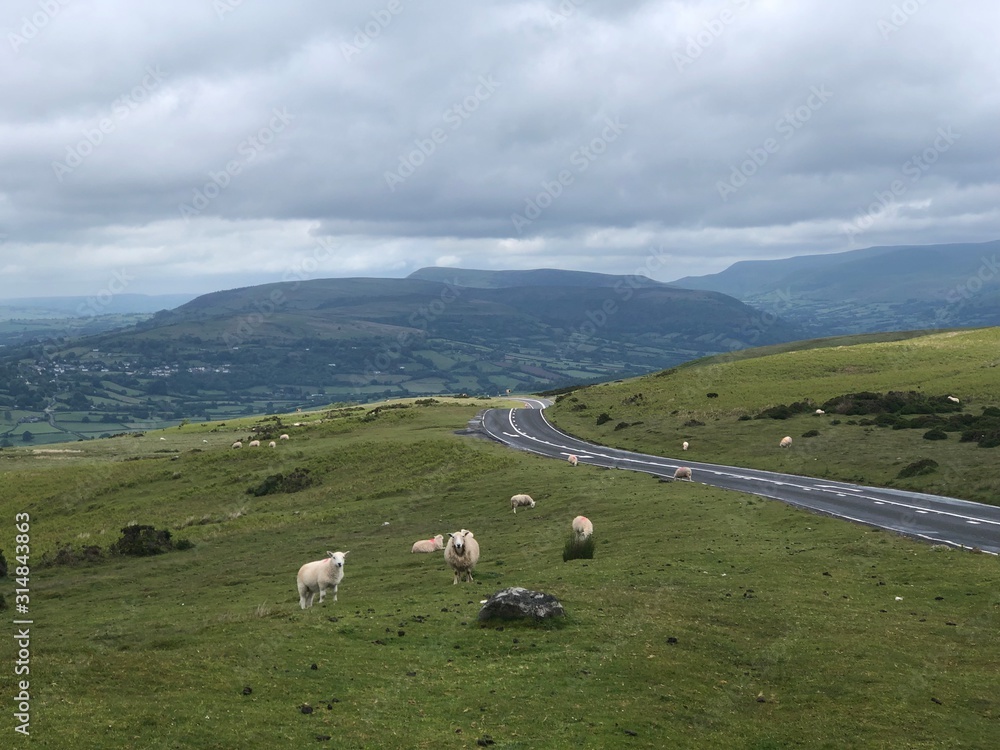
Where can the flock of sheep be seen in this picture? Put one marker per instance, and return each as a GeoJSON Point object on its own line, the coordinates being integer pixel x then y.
{"type": "Point", "coordinates": [256, 443]}
{"type": "Point", "coordinates": [461, 552]}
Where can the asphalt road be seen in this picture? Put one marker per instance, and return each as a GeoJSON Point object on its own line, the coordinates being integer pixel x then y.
{"type": "Point", "coordinates": [942, 520]}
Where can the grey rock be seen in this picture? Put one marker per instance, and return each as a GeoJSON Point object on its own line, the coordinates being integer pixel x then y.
{"type": "Point", "coordinates": [516, 603]}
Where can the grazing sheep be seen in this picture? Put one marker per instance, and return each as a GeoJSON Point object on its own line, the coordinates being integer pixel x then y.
{"type": "Point", "coordinates": [319, 576]}
{"type": "Point", "coordinates": [573, 460]}
{"type": "Point", "coordinates": [272, 444]}
{"type": "Point", "coordinates": [684, 445]}
{"type": "Point", "coordinates": [429, 545]}
{"type": "Point", "coordinates": [462, 554]}
{"type": "Point", "coordinates": [786, 442]}
{"type": "Point", "coordinates": [582, 527]}
{"type": "Point", "coordinates": [254, 444]}
{"type": "Point", "coordinates": [819, 411]}
{"type": "Point", "coordinates": [238, 444]}
{"type": "Point", "coordinates": [953, 399]}
{"type": "Point", "coordinates": [682, 472]}
{"type": "Point", "coordinates": [283, 437]}
{"type": "Point", "coordinates": [521, 501]}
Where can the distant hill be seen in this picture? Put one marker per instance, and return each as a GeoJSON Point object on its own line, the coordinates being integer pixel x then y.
{"type": "Point", "coordinates": [297, 344]}
{"type": "Point", "coordinates": [467, 277]}
{"type": "Point", "coordinates": [873, 289]}
{"type": "Point", "coordinates": [35, 308]}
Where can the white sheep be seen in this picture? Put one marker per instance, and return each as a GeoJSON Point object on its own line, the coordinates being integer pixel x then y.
{"type": "Point", "coordinates": [283, 437]}
{"type": "Point", "coordinates": [238, 444]}
{"type": "Point", "coordinates": [429, 545]}
{"type": "Point", "coordinates": [786, 442]}
{"type": "Point", "coordinates": [462, 554]}
{"type": "Point", "coordinates": [684, 445]}
{"type": "Point", "coordinates": [682, 472]}
{"type": "Point", "coordinates": [272, 444]}
{"type": "Point", "coordinates": [319, 576]}
{"type": "Point", "coordinates": [582, 527]}
{"type": "Point", "coordinates": [818, 412]}
{"type": "Point", "coordinates": [254, 444]}
{"type": "Point", "coordinates": [573, 460]}
{"type": "Point", "coordinates": [521, 501]}
{"type": "Point", "coordinates": [953, 399]}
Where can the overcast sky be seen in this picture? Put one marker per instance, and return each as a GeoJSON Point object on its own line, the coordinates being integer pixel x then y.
{"type": "Point", "coordinates": [199, 145]}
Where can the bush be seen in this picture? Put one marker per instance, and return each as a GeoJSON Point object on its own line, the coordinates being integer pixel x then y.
{"type": "Point", "coordinates": [810, 433]}
{"type": "Point", "coordinates": [577, 550]}
{"type": "Point", "coordinates": [918, 468]}
{"type": "Point", "coordinates": [296, 481]}
{"type": "Point", "coordinates": [935, 434]}
{"type": "Point", "coordinates": [142, 541]}
{"type": "Point", "coordinates": [786, 411]}
{"type": "Point", "coordinates": [622, 426]}
{"type": "Point", "coordinates": [603, 417]}
{"type": "Point", "coordinates": [694, 423]}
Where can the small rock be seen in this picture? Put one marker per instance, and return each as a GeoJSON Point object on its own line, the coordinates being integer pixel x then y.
{"type": "Point", "coordinates": [314, 666]}
{"type": "Point", "coordinates": [247, 690]}
{"type": "Point", "coordinates": [671, 640]}
{"type": "Point", "coordinates": [630, 733]}
{"type": "Point", "coordinates": [937, 701]}
{"type": "Point", "coordinates": [306, 708]}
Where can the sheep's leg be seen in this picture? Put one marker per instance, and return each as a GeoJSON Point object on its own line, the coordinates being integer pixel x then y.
{"type": "Point", "coordinates": [456, 578]}
{"type": "Point", "coordinates": [322, 594]}
{"type": "Point", "coordinates": [335, 593]}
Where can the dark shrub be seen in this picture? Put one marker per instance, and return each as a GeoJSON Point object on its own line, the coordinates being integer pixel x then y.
{"type": "Point", "coordinates": [603, 417]}
{"type": "Point", "coordinates": [918, 468]}
{"type": "Point", "coordinates": [694, 423]}
{"type": "Point", "coordinates": [577, 550]}
{"type": "Point", "coordinates": [744, 418]}
{"type": "Point", "coordinates": [810, 433]}
{"type": "Point", "coordinates": [622, 425]}
{"type": "Point", "coordinates": [711, 395]}
{"type": "Point", "coordinates": [296, 481]}
{"type": "Point", "coordinates": [142, 541]}
{"type": "Point", "coordinates": [578, 407]}
{"type": "Point", "coordinates": [935, 434]}
{"type": "Point", "coordinates": [3, 565]}
{"type": "Point", "coordinates": [786, 411]}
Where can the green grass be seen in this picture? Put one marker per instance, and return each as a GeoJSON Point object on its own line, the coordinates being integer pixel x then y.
{"type": "Point", "coordinates": [704, 619]}
{"type": "Point", "coordinates": [660, 409]}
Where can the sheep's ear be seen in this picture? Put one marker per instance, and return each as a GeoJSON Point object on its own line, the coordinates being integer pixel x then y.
{"type": "Point", "coordinates": [347, 553]}
{"type": "Point", "coordinates": [331, 554]}
{"type": "Point", "coordinates": [469, 534]}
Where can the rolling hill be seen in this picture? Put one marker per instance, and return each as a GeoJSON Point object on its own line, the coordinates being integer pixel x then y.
{"type": "Point", "coordinates": [872, 289]}
{"type": "Point", "coordinates": [295, 344]}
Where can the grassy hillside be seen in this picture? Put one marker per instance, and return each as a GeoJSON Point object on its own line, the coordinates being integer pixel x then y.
{"type": "Point", "coordinates": [656, 413]}
{"type": "Point", "coordinates": [705, 619]}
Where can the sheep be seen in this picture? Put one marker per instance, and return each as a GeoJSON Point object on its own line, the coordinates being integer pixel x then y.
{"type": "Point", "coordinates": [283, 437]}
{"type": "Point", "coordinates": [953, 399]}
{"type": "Point", "coordinates": [573, 460]}
{"type": "Point", "coordinates": [521, 501]}
{"type": "Point", "coordinates": [582, 527]}
{"type": "Point", "coordinates": [682, 472]}
{"type": "Point", "coordinates": [462, 554]}
{"type": "Point", "coordinates": [272, 444]}
{"type": "Point", "coordinates": [684, 445]}
{"type": "Point", "coordinates": [254, 444]}
{"type": "Point", "coordinates": [786, 442]}
{"type": "Point", "coordinates": [319, 576]}
{"type": "Point", "coordinates": [429, 545]}
{"type": "Point", "coordinates": [818, 412]}
{"type": "Point", "coordinates": [238, 444]}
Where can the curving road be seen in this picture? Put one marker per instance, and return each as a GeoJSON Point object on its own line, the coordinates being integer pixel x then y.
{"type": "Point", "coordinates": [943, 520]}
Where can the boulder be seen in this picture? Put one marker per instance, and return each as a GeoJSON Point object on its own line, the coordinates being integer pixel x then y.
{"type": "Point", "coordinates": [518, 603]}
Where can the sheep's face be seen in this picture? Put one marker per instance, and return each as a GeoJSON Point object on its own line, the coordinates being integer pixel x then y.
{"type": "Point", "coordinates": [458, 542]}
{"type": "Point", "coordinates": [337, 558]}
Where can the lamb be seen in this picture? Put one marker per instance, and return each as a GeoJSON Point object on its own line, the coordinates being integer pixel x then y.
{"type": "Point", "coordinates": [953, 399]}
{"type": "Point", "coordinates": [238, 444]}
{"type": "Point", "coordinates": [462, 554]}
{"type": "Point", "coordinates": [272, 444]}
{"type": "Point", "coordinates": [684, 445]}
{"type": "Point", "coordinates": [319, 576]}
{"type": "Point", "coordinates": [254, 444]}
{"type": "Point", "coordinates": [786, 442]}
{"type": "Point", "coordinates": [429, 545]}
{"type": "Point", "coordinates": [573, 460]}
{"type": "Point", "coordinates": [521, 501]}
{"type": "Point", "coordinates": [582, 527]}
{"type": "Point", "coordinates": [818, 412]}
{"type": "Point", "coordinates": [682, 472]}
{"type": "Point", "coordinates": [283, 437]}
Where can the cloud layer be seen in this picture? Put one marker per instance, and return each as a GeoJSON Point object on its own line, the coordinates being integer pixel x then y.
{"type": "Point", "coordinates": [206, 144]}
